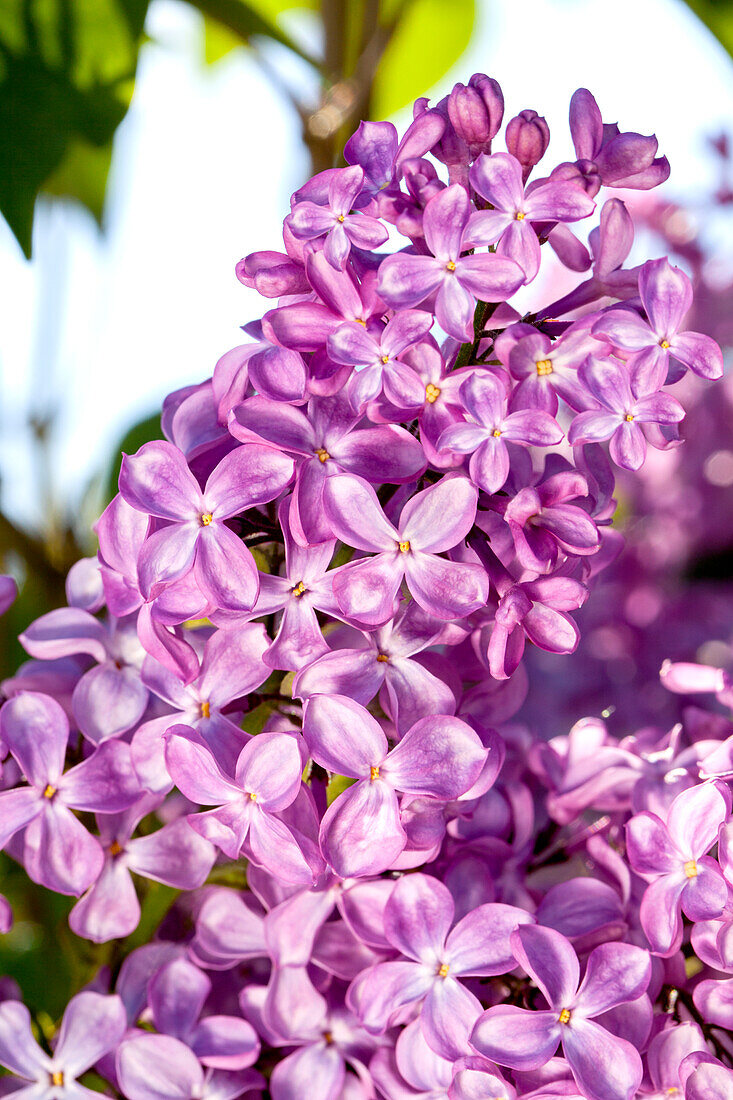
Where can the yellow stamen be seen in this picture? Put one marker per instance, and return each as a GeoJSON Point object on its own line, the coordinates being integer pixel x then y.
{"type": "Point", "coordinates": [341, 218]}
{"type": "Point", "coordinates": [564, 1017]}
{"type": "Point", "coordinates": [206, 709]}
{"type": "Point", "coordinates": [544, 366]}
{"type": "Point", "coordinates": [664, 344]}
{"type": "Point", "coordinates": [207, 519]}
{"type": "Point", "coordinates": [323, 454]}
{"type": "Point", "coordinates": [57, 1077]}
{"type": "Point", "coordinates": [115, 848]}
{"type": "Point", "coordinates": [374, 772]}
{"type": "Point", "coordinates": [382, 657]}
{"type": "Point", "coordinates": [443, 970]}
{"type": "Point", "coordinates": [49, 791]}
{"type": "Point", "coordinates": [496, 433]}
{"type": "Point", "coordinates": [519, 216]}
{"type": "Point", "coordinates": [327, 1038]}
{"type": "Point", "coordinates": [629, 417]}
{"type": "Point", "coordinates": [690, 868]}
{"type": "Point", "coordinates": [450, 266]}
{"type": "Point", "coordinates": [359, 321]}
{"type": "Point", "coordinates": [432, 393]}
{"type": "Point", "coordinates": [403, 547]}
{"type": "Point", "coordinates": [252, 796]}
{"type": "Point", "coordinates": [385, 358]}
{"type": "Point", "coordinates": [298, 590]}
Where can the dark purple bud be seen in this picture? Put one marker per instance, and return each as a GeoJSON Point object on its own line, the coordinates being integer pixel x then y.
{"type": "Point", "coordinates": [475, 111]}
{"type": "Point", "coordinates": [527, 138]}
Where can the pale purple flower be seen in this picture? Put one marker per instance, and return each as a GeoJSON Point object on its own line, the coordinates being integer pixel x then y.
{"type": "Point", "coordinates": [527, 136]}
{"type": "Point", "coordinates": [160, 1067]}
{"type": "Point", "coordinates": [498, 179]}
{"type": "Point", "coordinates": [174, 855]}
{"type": "Point", "coordinates": [537, 610]}
{"type": "Point", "coordinates": [418, 922]}
{"type": "Point", "coordinates": [157, 481]}
{"type": "Point", "coordinates": [333, 223]}
{"type": "Point", "coordinates": [666, 294]}
{"type": "Point", "coordinates": [485, 435]}
{"type": "Point", "coordinates": [622, 410]}
{"type": "Point", "coordinates": [8, 592]}
{"type": "Point", "coordinates": [326, 439]}
{"type": "Point", "coordinates": [58, 851]}
{"type": "Point", "coordinates": [672, 857]}
{"type": "Point", "coordinates": [109, 699]}
{"type": "Point", "coordinates": [376, 353]}
{"type": "Point", "coordinates": [605, 1067]}
{"type": "Point", "coordinates": [434, 520]}
{"type": "Point", "coordinates": [414, 689]}
{"type": "Point", "coordinates": [439, 757]}
{"type": "Point", "coordinates": [407, 280]}
{"type": "Point", "coordinates": [267, 780]}
{"type": "Point", "coordinates": [92, 1026]}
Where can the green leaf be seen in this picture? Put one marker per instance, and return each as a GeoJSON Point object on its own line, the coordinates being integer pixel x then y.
{"type": "Point", "coordinates": [220, 40]}
{"type": "Point", "coordinates": [246, 20]}
{"type": "Point", "coordinates": [82, 175]}
{"type": "Point", "coordinates": [66, 77]}
{"type": "Point", "coordinates": [717, 15]}
{"type": "Point", "coordinates": [429, 38]}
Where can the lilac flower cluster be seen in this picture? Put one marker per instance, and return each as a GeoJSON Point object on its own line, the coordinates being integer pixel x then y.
{"type": "Point", "coordinates": [301, 651]}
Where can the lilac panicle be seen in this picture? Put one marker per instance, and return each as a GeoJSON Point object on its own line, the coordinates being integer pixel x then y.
{"type": "Point", "coordinates": [317, 681]}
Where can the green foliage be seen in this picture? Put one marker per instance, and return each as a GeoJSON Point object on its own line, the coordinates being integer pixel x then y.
{"type": "Point", "coordinates": [66, 77]}
{"type": "Point", "coordinates": [429, 38]}
{"type": "Point", "coordinates": [717, 15]}
{"type": "Point", "coordinates": [229, 24]}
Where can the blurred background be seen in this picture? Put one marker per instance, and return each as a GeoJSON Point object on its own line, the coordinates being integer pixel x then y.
{"type": "Point", "coordinates": [147, 145]}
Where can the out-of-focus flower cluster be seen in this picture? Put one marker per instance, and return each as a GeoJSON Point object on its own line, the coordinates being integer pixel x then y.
{"type": "Point", "coordinates": [304, 646]}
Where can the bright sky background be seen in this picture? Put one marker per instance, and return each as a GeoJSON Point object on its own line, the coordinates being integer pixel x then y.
{"type": "Point", "coordinates": [104, 327]}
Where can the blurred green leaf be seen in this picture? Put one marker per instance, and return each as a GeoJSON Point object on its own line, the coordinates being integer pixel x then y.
{"type": "Point", "coordinates": [247, 19]}
{"type": "Point", "coordinates": [429, 38]}
{"type": "Point", "coordinates": [220, 40]}
{"type": "Point", "coordinates": [66, 76]}
{"type": "Point", "coordinates": [82, 175]}
{"type": "Point", "coordinates": [717, 15]}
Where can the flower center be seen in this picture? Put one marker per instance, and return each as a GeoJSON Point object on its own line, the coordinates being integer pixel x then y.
{"type": "Point", "coordinates": [206, 709]}
{"type": "Point", "coordinates": [690, 868]}
{"type": "Point", "coordinates": [252, 796]}
{"type": "Point", "coordinates": [49, 791]}
{"type": "Point", "coordinates": [519, 216]}
{"type": "Point", "coordinates": [442, 970]}
{"type": "Point", "coordinates": [298, 590]}
{"type": "Point", "coordinates": [57, 1077]}
{"type": "Point", "coordinates": [341, 218]}
{"type": "Point", "coordinates": [382, 657]}
{"type": "Point", "coordinates": [564, 1017]}
{"type": "Point", "coordinates": [544, 366]}
{"type": "Point", "coordinates": [450, 266]}
{"type": "Point", "coordinates": [323, 454]}
{"type": "Point", "coordinates": [432, 393]}
{"type": "Point", "coordinates": [664, 344]}
{"type": "Point", "coordinates": [403, 546]}
{"type": "Point", "coordinates": [384, 358]}
{"type": "Point", "coordinates": [327, 1038]}
{"type": "Point", "coordinates": [115, 848]}
{"type": "Point", "coordinates": [374, 772]}
{"type": "Point", "coordinates": [206, 519]}
{"type": "Point", "coordinates": [496, 433]}
{"type": "Point", "coordinates": [629, 417]}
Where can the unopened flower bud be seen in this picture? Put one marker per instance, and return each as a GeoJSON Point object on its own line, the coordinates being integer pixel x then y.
{"type": "Point", "coordinates": [476, 111]}
{"type": "Point", "coordinates": [527, 138]}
